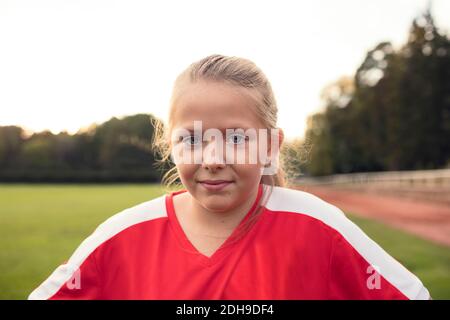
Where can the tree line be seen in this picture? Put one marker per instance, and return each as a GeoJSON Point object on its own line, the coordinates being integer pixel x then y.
{"type": "Point", "coordinates": [117, 150]}
{"type": "Point", "coordinates": [393, 114]}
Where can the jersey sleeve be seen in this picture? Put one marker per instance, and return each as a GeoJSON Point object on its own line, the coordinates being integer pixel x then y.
{"type": "Point", "coordinates": [77, 279]}
{"type": "Point", "coordinates": [361, 269]}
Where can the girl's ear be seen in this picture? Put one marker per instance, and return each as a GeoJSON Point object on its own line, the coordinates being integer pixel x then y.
{"type": "Point", "coordinates": [272, 161]}
{"type": "Point", "coordinates": [274, 134]}
{"type": "Point", "coordinates": [277, 134]}
{"type": "Point", "coordinates": [280, 137]}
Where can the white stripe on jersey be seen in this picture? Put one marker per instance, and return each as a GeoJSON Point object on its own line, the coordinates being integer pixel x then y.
{"type": "Point", "coordinates": [296, 201]}
{"type": "Point", "coordinates": [149, 210]}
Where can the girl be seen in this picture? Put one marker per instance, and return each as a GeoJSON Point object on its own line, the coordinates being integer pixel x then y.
{"type": "Point", "coordinates": [234, 231]}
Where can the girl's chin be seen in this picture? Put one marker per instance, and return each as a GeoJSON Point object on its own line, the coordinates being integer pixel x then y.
{"type": "Point", "coordinates": [215, 205]}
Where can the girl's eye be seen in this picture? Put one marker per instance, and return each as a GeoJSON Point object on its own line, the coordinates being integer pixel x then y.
{"type": "Point", "coordinates": [191, 140]}
{"type": "Point", "coordinates": [236, 138]}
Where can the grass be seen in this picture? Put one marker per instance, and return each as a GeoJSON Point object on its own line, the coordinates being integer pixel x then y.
{"type": "Point", "coordinates": [41, 226]}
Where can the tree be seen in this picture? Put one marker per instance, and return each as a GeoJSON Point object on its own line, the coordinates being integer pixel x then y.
{"type": "Point", "coordinates": [394, 115]}
{"type": "Point", "coordinates": [11, 139]}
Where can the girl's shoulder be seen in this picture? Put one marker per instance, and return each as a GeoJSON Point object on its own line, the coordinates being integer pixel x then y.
{"type": "Point", "coordinates": [303, 203]}
{"type": "Point", "coordinates": [84, 257]}
{"type": "Point", "coordinates": [306, 210]}
{"type": "Point", "coordinates": [352, 251]}
{"type": "Point", "coordinates": [115, 225]}
{"type": "Point", "coordinates": [142, 212]}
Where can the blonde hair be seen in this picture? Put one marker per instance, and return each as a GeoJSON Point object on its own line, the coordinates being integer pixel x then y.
{"type": "Point", "coordinates": [237, 72]}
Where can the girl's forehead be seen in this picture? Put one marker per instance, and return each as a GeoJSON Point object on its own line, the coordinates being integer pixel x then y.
{"type": "Point", "coordinates": [215, 105]}
{"type": "Point", "coordinates": [217, 120]}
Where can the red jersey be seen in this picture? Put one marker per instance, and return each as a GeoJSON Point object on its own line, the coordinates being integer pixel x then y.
{"type": "Point", "coordinates": [301, 247]}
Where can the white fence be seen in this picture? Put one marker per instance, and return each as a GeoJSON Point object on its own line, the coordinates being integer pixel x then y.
{"type": "Point", "coordinates": [424, 178]}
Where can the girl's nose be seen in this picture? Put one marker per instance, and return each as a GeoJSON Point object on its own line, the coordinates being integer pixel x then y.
{"type": "Point", "coordinates": [213, 157]}
{"type": "Point", "coordinates": [213, 166]}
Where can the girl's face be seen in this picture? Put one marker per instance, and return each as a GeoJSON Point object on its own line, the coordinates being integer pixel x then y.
{"type": "Point", "coordinates": [217, 106]}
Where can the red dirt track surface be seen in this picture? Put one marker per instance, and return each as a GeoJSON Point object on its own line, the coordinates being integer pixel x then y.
{"type": "Point", "coordinates": [429, 220]}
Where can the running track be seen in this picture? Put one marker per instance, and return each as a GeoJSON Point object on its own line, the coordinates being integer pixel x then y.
{"type": "Point", "coordinates": [428, 220]}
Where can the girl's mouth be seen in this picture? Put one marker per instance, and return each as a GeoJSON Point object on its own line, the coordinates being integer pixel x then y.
{"type": "Point", "coordinates": [215, 185]}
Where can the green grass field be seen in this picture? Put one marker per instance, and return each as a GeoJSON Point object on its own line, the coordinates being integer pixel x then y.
{"type": "Point", "coordinates": [41, 226]}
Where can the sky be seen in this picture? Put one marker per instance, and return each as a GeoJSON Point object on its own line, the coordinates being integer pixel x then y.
{"type": "Point", "coordinates": [67, 64]}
